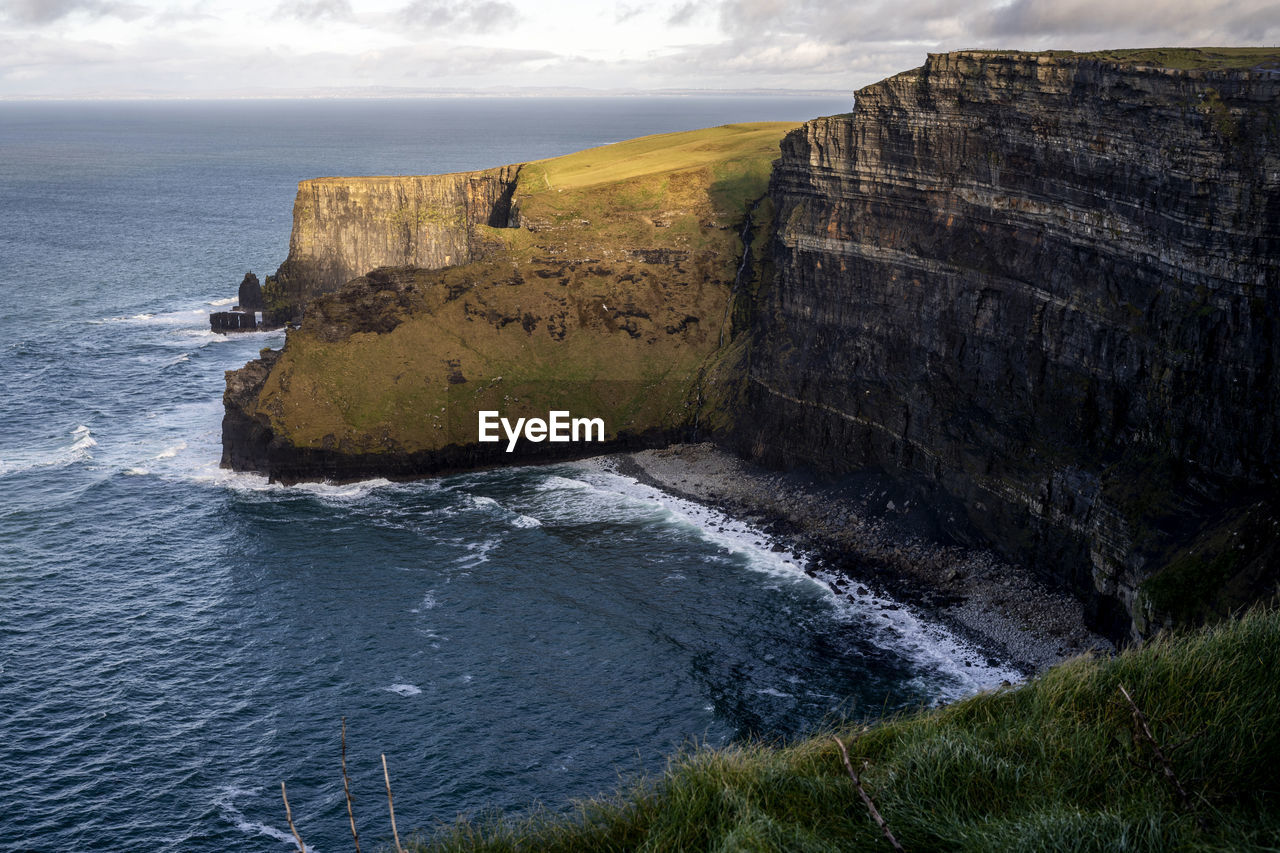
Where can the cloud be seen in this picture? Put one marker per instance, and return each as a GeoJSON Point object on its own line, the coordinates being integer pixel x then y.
{"type": "Point", "coordinates": [1148, 23]}
{"type": "Point", "coordinates": [810, 42]}
{"type": "Point", "coordinates": [27, 55]}
{"type": "Point", "coordinates": [683, 14]}
{"type": "Point", "coordinates": [36, 12]}
{"type": "Point", "coordinates": [315, 10]}
{"type": "Point", "coordinates": [828, 44]}
{"type": "Point", "coordinates": [845, 22]}
{"type": "Point", "coordinates": [458, 16]}
{"type": "Point", "coordinates": [624, 12]}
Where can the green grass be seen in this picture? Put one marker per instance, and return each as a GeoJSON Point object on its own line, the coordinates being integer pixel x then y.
{"type": "Point", "coordinates": [1051, 765]}
{"type": "Point", "coordinates": [1192, 58]}
{"type": "Point", "coordinates": [666, 152]}
{"type": "Point", "coordinates": [1182, 58]}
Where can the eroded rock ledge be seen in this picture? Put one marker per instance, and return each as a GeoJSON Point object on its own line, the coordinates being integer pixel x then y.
{"type": "Point", "coordinates": [345, 227]}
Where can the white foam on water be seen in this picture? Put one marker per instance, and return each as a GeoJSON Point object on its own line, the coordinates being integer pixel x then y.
{"type": "Point", "coordinates": [614, 492]}
{"type": "Point", "coordinates": [79, 450]}
{"type": "Point", "coordinates": [206, 471]}
{"type": "Point", "coordinates": [230, 300]}
{"type": "Point", "coordinates": [557, 483]}
{"type": "Point", "coordinates": [171, 452]}
{"type": "Point", "coordinates": [935, 649]}
{"type": "Point", "coordinates": [181, 317]}
{"type": "Point", "coordinates": [83, 438]}
{"type": "Point", "coordinates": [136, 472]}
{"type": "Point", "coordinates": [225, 804]}
{"type": "Point", "coordinates": [516, 519]}
{"type": "Point", "coordinates": [775, 692]}
{"type": "Point", "coordinates": [341, 492]}
{"type": "Point", "coordinates": [567, 500]}
{"type": "Point", "coordinates": [477, 553]}
{"type": "Point", "coordinates": [208, 336]}
{"type": "Point", "coordinates": [403, 689]}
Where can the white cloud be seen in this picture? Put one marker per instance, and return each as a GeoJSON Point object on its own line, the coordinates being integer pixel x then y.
{"type": "Point", "coordinates": [38, 12]}
{"type": "Point", "coordinates": [459, 16]}
{"type": "Point", "coordinates": [315, 10]}
{"type": "Point", "coordinates": [833, 44]}
{"type": "Point", "coordinates": [1124, 22]}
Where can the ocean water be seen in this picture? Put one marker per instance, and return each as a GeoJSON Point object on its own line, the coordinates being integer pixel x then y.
{"type": "Point", "coordinates": [176, 640]}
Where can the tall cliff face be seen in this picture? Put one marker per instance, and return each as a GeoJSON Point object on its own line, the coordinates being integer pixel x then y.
{"type": "Point", "coordinates": [1048, 286]}
{"type": "Point", "coordinates": [344, 227]}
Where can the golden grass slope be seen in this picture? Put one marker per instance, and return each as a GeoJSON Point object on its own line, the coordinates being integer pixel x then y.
{"type": "Point", "coordinates": [608, 301]}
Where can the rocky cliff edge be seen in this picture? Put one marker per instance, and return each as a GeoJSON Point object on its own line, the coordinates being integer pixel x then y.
{"type": "Point", "coordinates": [1047, 285]}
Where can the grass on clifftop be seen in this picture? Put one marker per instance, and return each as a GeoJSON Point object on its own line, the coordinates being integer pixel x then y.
{"type": "Point", "coordinates": [665, 152]}
{"type": "Point", "coordinates": [1056, 764]}
{"type": "Point", "coordinates": [1193, 58]}
{"type": "Point", "coordinates": [1180, 58]}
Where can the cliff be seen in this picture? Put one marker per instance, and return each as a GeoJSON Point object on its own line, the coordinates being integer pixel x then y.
{"type": "Point", "coordinates": [1039, 288]}
{"type": "Point", "coordinates": [344, 227]}
{"type": "Point", "coordinates": [1046, 285]}
{"type": "Point", "coordinates": [605, 296]}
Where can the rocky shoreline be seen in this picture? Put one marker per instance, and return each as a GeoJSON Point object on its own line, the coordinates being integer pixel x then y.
{"type": "Point", "coordinates": [871, 533]}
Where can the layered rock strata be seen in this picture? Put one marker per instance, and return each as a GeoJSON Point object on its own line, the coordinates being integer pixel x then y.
{"type": "Point", "coordinates": [345, 227]}
{"type": "Point", "coordinates": [1047, 286]}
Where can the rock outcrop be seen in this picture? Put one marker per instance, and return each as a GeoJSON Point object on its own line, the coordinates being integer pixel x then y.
{"type": "Point", "coordinates": [345, 227]}
{"type": "Point", "coordinates": [223, 322]}
{"type": "Point", "coordinates": [249, 294]}
{"type": "Point", "coordinates": [1048, 286]}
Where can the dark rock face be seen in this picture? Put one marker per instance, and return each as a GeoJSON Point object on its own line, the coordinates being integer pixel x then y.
{"type": "Point", "coordinates": [250, 293]}
{"type": "Point", "coordinates": [246, 433]}
{"type": "Point", "coordinates": [232, 321]}
{"type": "Point", "coordinates": [344, 227]}
{"type": "Point", "coordinates": [1048, 287]}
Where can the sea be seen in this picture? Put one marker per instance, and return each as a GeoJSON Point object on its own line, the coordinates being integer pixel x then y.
{"type": "Point", "coordinates": [177, 640]}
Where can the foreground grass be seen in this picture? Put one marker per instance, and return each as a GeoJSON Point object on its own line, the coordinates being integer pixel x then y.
{"type": "Point", "coordinates": [1051, 765]}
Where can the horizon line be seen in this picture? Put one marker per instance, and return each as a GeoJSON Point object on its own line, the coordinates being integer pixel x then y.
{"type": "Point", "coordinates": [383, 93]}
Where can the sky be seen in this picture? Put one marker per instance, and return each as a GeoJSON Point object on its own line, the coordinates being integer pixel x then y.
{"type": "Point", "coordinates": [270, 48]}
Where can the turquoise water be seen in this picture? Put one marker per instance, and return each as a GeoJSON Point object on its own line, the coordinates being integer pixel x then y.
{"type": "Point", "coordinates": [176, 639]}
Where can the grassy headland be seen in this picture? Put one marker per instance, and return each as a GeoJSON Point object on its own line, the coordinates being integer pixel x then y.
{"type": "Point", "coordinates": [1060, 763]}
{"type": "Point", "coordinates": [607, 301]}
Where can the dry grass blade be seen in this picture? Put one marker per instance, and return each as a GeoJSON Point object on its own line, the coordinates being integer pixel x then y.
{"type": "Point", "coordinates": [1140, 720]}
{"type": "Point", "coordinates": [346, 786]}
{"type": "Point", "coordinates": [390, 805]}
{"type": "Point", "coordinates": [288, 815]}
{"type": "Point", "coordinates": [866, 798]}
